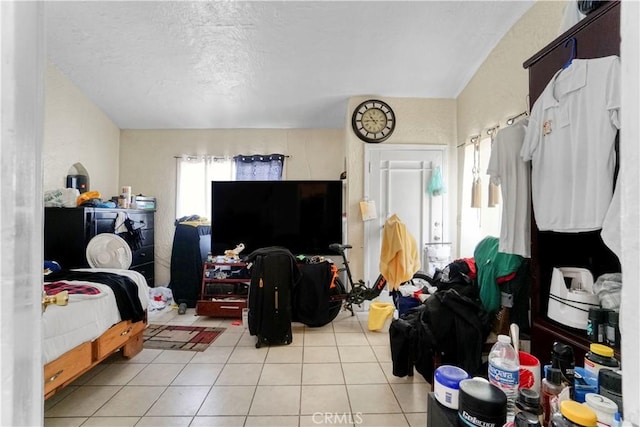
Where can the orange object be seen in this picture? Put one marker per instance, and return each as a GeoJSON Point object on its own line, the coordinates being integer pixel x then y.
{"type": "Point", "coordinates": [88, 196]}
{"type": "Point", "coordinates": [334, 276]}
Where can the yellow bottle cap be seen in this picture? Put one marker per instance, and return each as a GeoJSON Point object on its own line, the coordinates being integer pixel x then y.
{"type": "Point", "coordinates": [601, 350]}
{"type": "Point", "coordinates": [578, 413]}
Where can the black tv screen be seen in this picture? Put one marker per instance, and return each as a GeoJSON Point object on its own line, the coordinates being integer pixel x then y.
{"type": "Point", "coordinates": [302, 216]}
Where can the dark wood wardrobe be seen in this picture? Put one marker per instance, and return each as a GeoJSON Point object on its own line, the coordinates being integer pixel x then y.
{"type": "Point", "coordinates": [597, 35]}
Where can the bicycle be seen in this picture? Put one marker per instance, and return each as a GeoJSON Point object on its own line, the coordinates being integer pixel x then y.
{"type": "Point", "coordinates": [358, 291]}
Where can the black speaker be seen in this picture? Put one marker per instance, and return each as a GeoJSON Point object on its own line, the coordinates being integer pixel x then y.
{"type": "Point", "coordinates": [81, 182]}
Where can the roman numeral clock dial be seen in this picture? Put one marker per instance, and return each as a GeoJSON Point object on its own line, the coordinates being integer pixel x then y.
{"type": "Point", "coordinates": [373, 121]}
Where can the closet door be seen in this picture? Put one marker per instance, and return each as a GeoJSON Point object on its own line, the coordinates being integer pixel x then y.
{"type": "Point", "coordinates": [597, 35]}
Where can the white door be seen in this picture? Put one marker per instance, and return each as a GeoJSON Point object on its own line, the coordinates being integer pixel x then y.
{"type": "Point", "coordinates": [396, 180]}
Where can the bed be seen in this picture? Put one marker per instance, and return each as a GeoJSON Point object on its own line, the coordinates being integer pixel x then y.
{"type": "Point", "coordinates": [81, 334]}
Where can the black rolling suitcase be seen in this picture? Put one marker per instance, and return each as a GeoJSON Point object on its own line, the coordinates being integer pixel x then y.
{"type": "Point", "coordinates": [273, 275]}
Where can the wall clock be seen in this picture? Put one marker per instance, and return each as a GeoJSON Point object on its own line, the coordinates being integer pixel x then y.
{"type": "Point", "coordinates": [373, 121]}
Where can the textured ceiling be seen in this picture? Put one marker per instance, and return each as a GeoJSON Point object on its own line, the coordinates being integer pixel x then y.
{"type": "Point", "coordinates": [267, 64]}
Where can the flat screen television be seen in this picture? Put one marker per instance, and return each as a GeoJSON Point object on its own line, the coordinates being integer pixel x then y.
{"type": "Point", "coordinates": [302, 216]}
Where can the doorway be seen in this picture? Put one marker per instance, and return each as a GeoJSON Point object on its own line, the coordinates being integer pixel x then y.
{"type": "Point", "coordinates": [396, 181]}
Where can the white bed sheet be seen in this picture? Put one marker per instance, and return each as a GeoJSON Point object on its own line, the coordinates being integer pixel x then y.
{"type": "Point", "coordinates": [85, 318]}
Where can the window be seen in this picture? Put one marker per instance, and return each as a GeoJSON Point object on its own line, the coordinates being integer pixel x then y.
{"type": "Point", "coordinates": [195, 173]}
{"type": "Point", "coordinates": [194, 176]}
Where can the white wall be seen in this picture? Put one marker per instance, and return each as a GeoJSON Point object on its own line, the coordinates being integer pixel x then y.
{"type": "Point", "coordinates": [418, 121]}
{"type": "Point", "coordinates": [75, 130]}
{"type": "Point", "coordinates": [147, 164]}
{"type": "Point", "coordinates": [498, 90]}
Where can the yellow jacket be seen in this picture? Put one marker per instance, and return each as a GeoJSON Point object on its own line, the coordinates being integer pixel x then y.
{"type": "Point", "coordinates": [399, 259]}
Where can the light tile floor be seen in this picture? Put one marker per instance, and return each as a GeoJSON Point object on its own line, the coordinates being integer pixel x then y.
{"type": "Point", "coordinates": [339, 374]}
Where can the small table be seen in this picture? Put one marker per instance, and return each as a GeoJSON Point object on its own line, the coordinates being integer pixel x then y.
{"type": "Point", "coordinates": [439, 415]}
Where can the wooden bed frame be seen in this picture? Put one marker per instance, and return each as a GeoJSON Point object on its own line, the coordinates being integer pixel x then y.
{"type": "Point", "coordinates": [62, 371]}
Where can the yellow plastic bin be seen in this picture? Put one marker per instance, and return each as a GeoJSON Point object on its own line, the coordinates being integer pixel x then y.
{"type": "Point", "coordinates": [379, 312]}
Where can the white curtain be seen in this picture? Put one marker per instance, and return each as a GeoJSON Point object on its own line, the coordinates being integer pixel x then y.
{"type": "Point", "coordinates": [193, 192]}
{"type": "Point", "coordinates": [477, 223]}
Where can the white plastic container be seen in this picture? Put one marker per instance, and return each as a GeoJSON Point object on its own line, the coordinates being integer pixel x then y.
{"type": "Point", "coordinates": [604, 408]}
{"type": "Point", "coordinates": [446, 385]}
{"type": "Point", "coordinates": [504, 370]}
{"type": "Point", "coordinates": [125, 197]}
{"type": "Point", "coordinates": [570, 307]}
{"type": "Point", "coordinates": [436, 255]}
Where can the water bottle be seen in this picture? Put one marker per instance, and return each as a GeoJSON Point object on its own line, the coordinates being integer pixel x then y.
{"type": "Point", "coordinates": [504, 367]}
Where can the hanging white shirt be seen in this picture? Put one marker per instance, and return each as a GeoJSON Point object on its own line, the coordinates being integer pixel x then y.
{"type": "Point", "coordinates": [570, 142]}
{"type": "Point", "coordinates": [611, 228]}
{"type": "Point", "coordinates": [508, 170]}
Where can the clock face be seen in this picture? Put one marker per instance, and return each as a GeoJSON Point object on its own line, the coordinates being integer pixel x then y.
{"type": "Point", "coordinates": [373, 121]}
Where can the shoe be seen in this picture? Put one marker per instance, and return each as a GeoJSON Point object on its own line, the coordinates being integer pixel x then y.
{"type": "Point", "coordinates": [182, 308]}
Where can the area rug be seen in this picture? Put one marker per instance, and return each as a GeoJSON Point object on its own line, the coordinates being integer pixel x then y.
{"type": "Point", "coordinates": [174, 337]}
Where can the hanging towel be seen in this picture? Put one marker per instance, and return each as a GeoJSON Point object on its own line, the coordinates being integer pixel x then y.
{"type": "Point", "coordinates": [120, 226]}
{"type": "Point", "coordinates": [436, 185]}
{"type": "Point", "coordinates": [399, 259]}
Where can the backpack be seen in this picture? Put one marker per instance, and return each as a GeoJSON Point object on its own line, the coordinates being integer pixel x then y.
{"type": "Point", "coordinates": [317, 298]}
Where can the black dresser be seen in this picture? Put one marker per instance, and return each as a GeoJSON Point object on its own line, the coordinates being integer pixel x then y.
{"type": "Point", "coordinates": [67, 231]}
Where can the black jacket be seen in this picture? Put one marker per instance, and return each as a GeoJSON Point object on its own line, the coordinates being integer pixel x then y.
{"type": "Point", "coordinates": [451, 324]}
{"type": "Point", "coordinates": [124, 289]}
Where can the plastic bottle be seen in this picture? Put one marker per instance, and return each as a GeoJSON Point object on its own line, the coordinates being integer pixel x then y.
{"type": "Point", "coordinates": [604, 408]}
{"type": "Point", "coordinates": [526, 419]}
{"type": "Point", "coordinates": [504, 367]}
{"type": "Point", "coordinates": [551, 386]}
{"type": "Point", "coordinates": [562, 357]}
{"type": "Point", "coordinates": [596, 324]}
{"type": "Point", "coordinates": [609, 384]}
{"type": "Point", "coordinates": [529, 401]}
{"type": "Point", "coordinates": [599, 356]}
{"type": "Point", "coordinates": [613, 329]}
{"type": "Point", "coordinates": [574, 414]}
{"type": "Point", "coordinates": [617, 422]}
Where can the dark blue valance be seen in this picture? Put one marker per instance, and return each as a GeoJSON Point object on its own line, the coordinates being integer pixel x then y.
{"type": "Point", "coordinates": [259, 158]}
{"type": "Point", "coordinates": [259, 167]}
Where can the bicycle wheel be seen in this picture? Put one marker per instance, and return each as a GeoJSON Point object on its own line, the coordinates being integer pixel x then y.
{"type": "Point", "coordinates": [336, 297]}
{"type": "Point", "coordinates": [419, 279]}
{"type": "Point", "coordinates": [422, 279]}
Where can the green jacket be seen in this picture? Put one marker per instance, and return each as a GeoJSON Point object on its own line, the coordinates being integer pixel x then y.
{"type": "Point", "coordinates": [491, 266]}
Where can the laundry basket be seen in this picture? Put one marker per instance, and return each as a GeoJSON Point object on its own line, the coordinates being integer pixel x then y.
{"type": "Point", "coordinates": [436, 256]}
